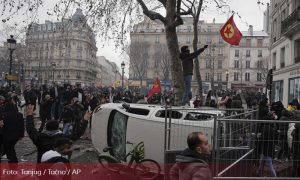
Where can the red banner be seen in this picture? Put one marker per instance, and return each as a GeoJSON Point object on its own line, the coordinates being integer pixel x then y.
{"type": "Point", "coordinates": [156, 88]}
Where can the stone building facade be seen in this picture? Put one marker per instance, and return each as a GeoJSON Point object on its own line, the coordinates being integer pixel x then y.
{"type": "Point", "coordinates": [109, 72]}
{"type": "Point", "coordinates": [62, 51]}
{"type": "Point", "coordinates": [248, 65]}
{"type": "Point", "coordinates": [285, 49]}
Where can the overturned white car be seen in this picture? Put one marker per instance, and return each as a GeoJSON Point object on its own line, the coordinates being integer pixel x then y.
{"type": "Point", "coordinates": [114, 124]}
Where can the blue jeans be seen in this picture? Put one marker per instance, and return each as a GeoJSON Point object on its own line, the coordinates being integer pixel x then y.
{"type": "Point", "coordinates": [187, 89]}
{"type": "Point", "coordinates": [265, 160]}
{"type": "Point", "coordinates": [66, 128]}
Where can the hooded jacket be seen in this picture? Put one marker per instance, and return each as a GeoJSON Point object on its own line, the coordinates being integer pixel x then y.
{"type": "Point", "coordinates": [187, 61]}
{"type": "Point", "coordinates": [190, 166]}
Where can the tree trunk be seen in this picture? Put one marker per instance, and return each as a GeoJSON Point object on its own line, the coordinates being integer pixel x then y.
{"type": "Point", "coordinates": [177, 74]}
{"type": "Point", "coordinates": [196, 61]}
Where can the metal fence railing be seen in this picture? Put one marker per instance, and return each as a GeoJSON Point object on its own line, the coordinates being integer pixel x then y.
{"type": "Point", "coordinates": [238, 139]}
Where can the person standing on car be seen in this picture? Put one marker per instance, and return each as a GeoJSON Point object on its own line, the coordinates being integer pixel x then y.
{"type": "Point", "coordinates": [192, 163]}
{"type": "Point", "coordinates": [188, 69]}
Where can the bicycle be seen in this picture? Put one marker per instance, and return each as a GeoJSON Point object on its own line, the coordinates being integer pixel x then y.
{"type": "Point", "coordinates": [144, 169]}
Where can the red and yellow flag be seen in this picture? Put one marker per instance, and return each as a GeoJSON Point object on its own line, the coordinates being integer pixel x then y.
{"type": "Point", "coordinates": [156, 88]}
{"type": "Point", "coordinates": [230, 33]}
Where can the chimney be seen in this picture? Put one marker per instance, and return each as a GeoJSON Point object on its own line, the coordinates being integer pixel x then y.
{"type": "Point", "coordinates": [250, 30]}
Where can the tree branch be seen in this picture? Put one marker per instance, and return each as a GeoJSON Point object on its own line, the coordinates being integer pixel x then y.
{"type": "Point", "coordinates": [152, 15]}
{"type": "Point", "coordinates": [163, 2]}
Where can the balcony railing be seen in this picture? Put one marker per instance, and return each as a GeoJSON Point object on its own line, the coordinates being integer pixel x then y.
{"type": "Point", "coordinates": [289, 24]}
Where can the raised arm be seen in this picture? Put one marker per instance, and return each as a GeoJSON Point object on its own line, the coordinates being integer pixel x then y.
{"type": "Point", "coordinates": [31, 130]}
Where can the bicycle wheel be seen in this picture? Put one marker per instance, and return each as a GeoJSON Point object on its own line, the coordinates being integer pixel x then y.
{"type": "Point", "coordinates": [147, 169]}
{"type": "Point", "coordinates": [109, 163]}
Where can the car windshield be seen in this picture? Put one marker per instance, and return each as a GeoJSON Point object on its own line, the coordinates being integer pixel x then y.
{"type": "Point", "coordinates": [194, 116]}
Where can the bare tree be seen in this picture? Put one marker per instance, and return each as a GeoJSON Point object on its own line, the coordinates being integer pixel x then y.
{"type": "Point", "coordinates": [162, 65]}
{"type": "Point", "coordinates": [262, 68]}
{"type": "Point", "coordinates": [139, 57]}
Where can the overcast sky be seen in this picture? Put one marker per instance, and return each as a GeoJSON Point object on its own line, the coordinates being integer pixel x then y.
{"type": "Point", "coordinates": [250, 12]}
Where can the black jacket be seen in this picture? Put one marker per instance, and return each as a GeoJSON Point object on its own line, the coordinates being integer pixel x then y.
{"type": "Point", "coordinates": [13, 128]}
{"type": "Point", "coordinates": [190, 166]}
{"type": "Point", "coordinates": [44, 140]}
{"type": "Point", "coordinates": [266, 144]}
{"type": "Point", "coordinates": [187, 61]}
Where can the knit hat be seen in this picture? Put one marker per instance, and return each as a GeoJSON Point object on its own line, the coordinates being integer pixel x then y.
{"type": "Point", "coordinates": [49, 154]}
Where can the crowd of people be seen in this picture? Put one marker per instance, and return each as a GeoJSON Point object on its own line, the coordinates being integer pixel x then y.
{"type": "Point", "coordinates": [72, 106]}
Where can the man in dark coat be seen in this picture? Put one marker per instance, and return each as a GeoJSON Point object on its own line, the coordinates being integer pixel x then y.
{"type": "Point", "coordinates": [192, 162]}
{"type": "Point", "coordinates": [188, 69]}
{"type": "Point", "coordinates": [44, 140]}
{"type": "Point", "coordinates": [266, 146]}
{"type": "Point", "coordinates": [55, 93]}
{"type": "Point", "coordinates": [30, 96]}
{"type": "Point", "coordinates": [13, 130]}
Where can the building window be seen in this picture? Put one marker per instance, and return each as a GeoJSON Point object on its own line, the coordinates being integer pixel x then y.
{"type": "Point", "coordinates": [236, 64]}
{"type": "Point", "coordinates": [219, 77]}
{"type": "Point", "coordinates": [248, 42]}
{"type": "Point", "coordinates": [259, 53]}
{"type": "Point", "coordinates": [189, 28]}
{"type": "Point", "coordinates": [46, 55]}
{"type": "Point", "coordinates": [208, 28]}
{"type": "Point", "coordinates": [220, 51]}
{"type": "Point", "coordinates": [247, 64]}
{"type": "Point", "coordinates": [247, 76]}
{"type": "Point", "coordinates": [277, 91]}
{"type": "Point", "coordinates": [157, 39]}
{"type": "Point", "coordinates": [236, 76]}
{"type": "Point", "coordinates": [220, 64]}
{"type": "Point", "coordinates": [79, 54]}
{"type": "Point", "coordinates": [274, 61]}
{"type": "Point", "coordinates": [294, 89]}
{"type": "Point", "coordinates": [78, 63]}
{"type": "Point", "coordinates": [259, 77]}
{"type": "Point", "coordinates": [236, 53]}
{"type": "Point", "coordinates": [207, 63]}
{"type": "Point", "coordinates": [259, 64]}
{"type": "Point", "coordinates": [282, 57]}
{"type": "Point", "coordinates": [247, 53]}
{"type": "Point", "coordinates": [297, 50]}
{"type": "Point", "coordinates": [188, 39]}
{"type": "Point", "coordinates": [259, 42]}
{"type": "Point", "coordinates": [207, 76]}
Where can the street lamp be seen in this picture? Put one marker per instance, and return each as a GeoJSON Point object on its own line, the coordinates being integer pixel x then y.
{"type": "Point", "coordinates": [122, 67]}
{"type": "Point", "coordinates": [212, 68]}
{"type": "Point", "coordinates": [11, 47]}
{"type": "Point", "coordinates": [53, 66]}
{"type": "Point", "coordinates": [227, 73]}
